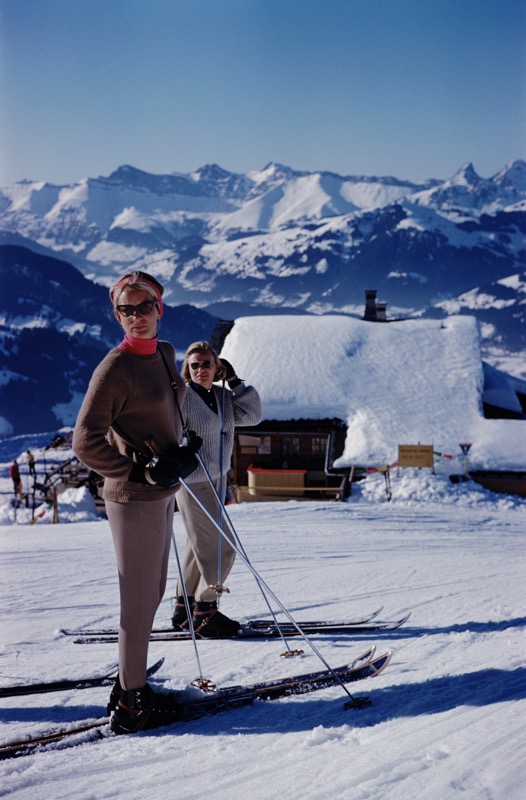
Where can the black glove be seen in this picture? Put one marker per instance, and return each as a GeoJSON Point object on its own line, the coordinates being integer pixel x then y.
{"type": "Point", "coordinates": [193, 441]}
{"type": "Point", "coordinates": [229, 369]}
{"type": "Point", "coordinates": [230, 377]}
{"type": "Point", "coordinates": [179, 462]}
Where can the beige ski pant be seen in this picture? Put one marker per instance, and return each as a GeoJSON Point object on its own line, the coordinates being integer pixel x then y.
{"type": "Point", "coordinates": [142, 533]}
{"type": "Point", "coordinates": [200, 559]}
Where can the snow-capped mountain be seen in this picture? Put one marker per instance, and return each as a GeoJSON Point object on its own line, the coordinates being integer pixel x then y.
{"type": "Point", "coordinates": [466, 193]}
{"type": "Point", "coordinates": [499, 307]}
{"type": "Point", "coordinates": [281, 238]}
{"type": "Point", "coordinates": [270, 241]}
{"type": "Point", "coordinates": [55, 327]}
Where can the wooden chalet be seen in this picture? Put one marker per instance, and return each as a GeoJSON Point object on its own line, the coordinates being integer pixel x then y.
{"type": "Point", "coordinates": [292, 452]}
{"type": "Point", "coordinates": [293, 458]}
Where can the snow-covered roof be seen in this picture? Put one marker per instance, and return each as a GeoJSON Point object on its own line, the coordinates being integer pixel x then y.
{"type": "Point", "coordinates": [417, 381]}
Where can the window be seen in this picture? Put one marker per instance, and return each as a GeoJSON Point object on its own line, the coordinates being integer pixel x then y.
{"type": "Point", "coordinates": [290, 448]}
{"type": "Point", "coordinates": [318, 445]}
{"type": "Point", "coordinates": [259, 445]}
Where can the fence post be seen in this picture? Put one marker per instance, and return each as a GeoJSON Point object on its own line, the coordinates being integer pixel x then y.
{"type": "Point", "coordinates": [55, 505]}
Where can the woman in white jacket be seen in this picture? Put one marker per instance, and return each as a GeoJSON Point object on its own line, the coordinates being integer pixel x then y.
{"type": "Point", "coordinates": [212, 411]}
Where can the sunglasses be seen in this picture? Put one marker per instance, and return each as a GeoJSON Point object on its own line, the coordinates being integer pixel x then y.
{"type": "Point", "coordinates": [143, 308]}
{"type": "Point", "coordinates": [195, 365]}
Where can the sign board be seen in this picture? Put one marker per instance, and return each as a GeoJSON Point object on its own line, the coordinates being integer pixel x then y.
{"type": "Point", "coordinates": [415, 455]}
{"type": "Point", "coordinates": [259, 445]}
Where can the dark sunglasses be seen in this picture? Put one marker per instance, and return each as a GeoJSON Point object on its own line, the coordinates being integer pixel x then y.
{"type": "Point", "coordinates": [195, 365]}
{"type": "Point", "coordinates": [143, 308]}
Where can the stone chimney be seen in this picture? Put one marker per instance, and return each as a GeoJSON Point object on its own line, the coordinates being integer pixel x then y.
{"type": "Point", "coordinates": [370, 305]}
{"type": "Point", "coordinates": [375, 311]}
{"type": "Point", "coordinates": [381, 312]}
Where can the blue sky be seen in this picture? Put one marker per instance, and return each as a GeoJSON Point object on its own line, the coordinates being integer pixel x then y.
{"type": "Point", "coordinates": [410, 88]}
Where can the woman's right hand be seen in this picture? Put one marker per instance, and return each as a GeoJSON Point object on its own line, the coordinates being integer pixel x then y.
{"type": "Point", "coordinates": [170, 467]}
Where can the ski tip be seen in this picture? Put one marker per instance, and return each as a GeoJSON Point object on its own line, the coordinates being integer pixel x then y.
{"type": "Point", "coordinates": [380, 663]}
{"type": "Point", "coordinates": [155, 667]}
{"type": "Point", "coordinates": [367, 655]}
{"type": "Point", "coordinates": [395, 624]}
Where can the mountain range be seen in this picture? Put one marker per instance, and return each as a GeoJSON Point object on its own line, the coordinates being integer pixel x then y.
{"type": "Point", "coordinates": [266, 242]}
{"type": "Point", "coordinates": [56, 326]}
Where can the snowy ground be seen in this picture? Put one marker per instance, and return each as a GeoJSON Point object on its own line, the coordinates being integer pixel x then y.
{"type": "Point", "coordinates": [447, 718]}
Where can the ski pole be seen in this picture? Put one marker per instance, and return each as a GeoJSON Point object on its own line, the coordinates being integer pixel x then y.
{"type": "Point", "coordinates": [221, 496]}
{"type": "Point", "coordinates": [289, 651]}
{"type": "Point", "coordinates": [353, 701]}
{"type": "Point", "coordinates": [201, 682]}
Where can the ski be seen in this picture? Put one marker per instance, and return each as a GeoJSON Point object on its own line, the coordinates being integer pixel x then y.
{"type": "Point", "coordinates": [367, 666]}
{"type": "Point", "coordinates": [253, 623]}
{"type": "Point", "coordinates": [64, 685]}
{"type": "Point", "coordinates": [272, 631]}
{"type": "Point", "coordinates": [316, 623]}
{"type": "Point", "coordinates": [291, 629]}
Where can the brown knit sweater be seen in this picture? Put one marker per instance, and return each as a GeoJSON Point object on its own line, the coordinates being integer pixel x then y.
{"type": "Point", "coordinates": [129, 399]}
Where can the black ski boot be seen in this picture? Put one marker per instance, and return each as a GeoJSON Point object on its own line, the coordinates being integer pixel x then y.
{"type": "Point", "coordinates": [115, 696]}
{"type": "Point", "coordinates": [180, 617]}
{"type": "Point", "coordinates": [143, 709]}
{"type": "Point", "coordinates": [210, 623]}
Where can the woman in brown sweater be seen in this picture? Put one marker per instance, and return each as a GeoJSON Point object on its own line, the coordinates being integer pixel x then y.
{"type": "Point", "coordinates": [129, 431]}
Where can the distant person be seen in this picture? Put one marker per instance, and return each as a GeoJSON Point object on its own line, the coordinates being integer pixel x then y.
{"type": "Point", "coordinates": [212, 412]}
{"type": "Point", "coordinates": [14, 473]}
{"type": "Point", "coordinates": [131, 410]}
{"type": "Point", "coordinates": [31, 463]}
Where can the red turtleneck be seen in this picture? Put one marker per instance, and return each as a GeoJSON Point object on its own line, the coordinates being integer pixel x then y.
{"type": "Point", "coordinates": [141, 347]}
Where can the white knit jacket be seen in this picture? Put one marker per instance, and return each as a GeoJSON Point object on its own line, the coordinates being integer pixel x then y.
{"type": "Point", "coordinates": [242, 407]}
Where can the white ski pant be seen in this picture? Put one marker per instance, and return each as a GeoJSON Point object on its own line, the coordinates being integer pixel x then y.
{"type": "Point", "coordinates": [142, 533]}
{"type": "Point", "coordinates": [199, 565]}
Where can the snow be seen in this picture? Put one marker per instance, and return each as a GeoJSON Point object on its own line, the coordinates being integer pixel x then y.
{"type": "Point", "coordinates": [416, 381]}
{"type": "Point", "coordinates": [446, 718]}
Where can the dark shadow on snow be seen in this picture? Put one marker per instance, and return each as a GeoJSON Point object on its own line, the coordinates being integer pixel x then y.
{"type": "Point", "coordinates": [437, 695]}
{"type": "Point", "coordinates": [407, 632]}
